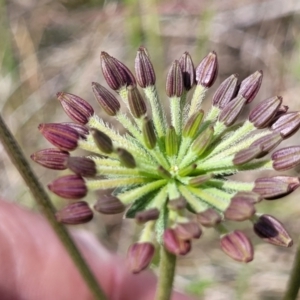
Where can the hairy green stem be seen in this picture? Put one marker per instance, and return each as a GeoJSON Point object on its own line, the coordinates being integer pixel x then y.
{"type": "Point", "coordinates": [294, 280]}
{"type": "Point", "coordinates": [166, 275]}
{"type": "Point", "coordinates": [42, 199]}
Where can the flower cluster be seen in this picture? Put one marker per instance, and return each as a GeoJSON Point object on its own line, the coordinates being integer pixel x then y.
{"type": "Point", "coordinates": [173, 176]}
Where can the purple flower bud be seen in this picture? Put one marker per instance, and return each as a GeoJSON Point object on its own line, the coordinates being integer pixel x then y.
{"type": "Point", "coordinates": [286, 158]}
{"type": "Point", "coordinates": [239, 209]}
{"type": "Point", "coordinates": [106, 99]}
{"type": "Point", "coordinates": [174, 244]}
{"type": "Point", "coordinates": [139, 256]}
{"type": "Point", "coordinates": [209, 218]}
{"type": "Point", "coordinates": [275, 187]}
{"type": "Point", "coordinates": [188, 231]}
{"type": "Point", "coordinates": [238, 246]}
{"type": "Point", "coordinates": [69, 187]}
{"type": "Point", "coordinates": [136, 102]}
{"type": "Point", "coordinates": [288, 124]}
{"type": "Point", "coordinates": [126, 158]}
{"type": "Point", "coordinates": [149, 134]}
{"type": "Point", "coordinates": [272, 231]}
{"type": "Point", "coordinates": [188, 70]}
{"type": "Point", "coordinates": [75, 107]}
{"type": "Point", "coordinates": [264, 112]}
{"type": "Point", "coordinates": [144, 71]}
{"type": "Point", "coordinates": [171, 142]}
{"type": "Point", "coordinates": [232, 110]}
{"type": "Point", "coordinates": [177, 204]}
{"type": "Point", "coordinates": [80, 129]}
{"type": "Point", "coordinates": [192, 125]}
{"type": "Point", "coordinates": [82, 166]}
{"type": "Point", "coordinates": [250, 86]}
{"type": "Point", "coordinates": [246, 155]}
{"type": "Point", "coordinates": [174, 84]}
{"type": "Point", "coordinates": [200, 179]}
{"type": "Point", "coordinates": [108, 204]}
{"type": "Point", "coordinates": [147, 215]}
{"type": "Point", "coordinates": [203, 140]}
{"type": "Point", "coordinates": [103, 141]}
{"type": "Point", "coordinates": [248, 196]}
{"type": "Point", "coordinates": [282, 110]}
{"type": "Point", "coordinates": [51, 158]}
{"type": "Point", "coordinates": [116, 74]}
{"type": "Point", "coordinates": [75, 213]}
{"type": "Point", "coordinates": [60, 135]}
{"type": "Point", "coordinates": [207, 70]}
{"type": "Point", "coordinates": [226, 91]}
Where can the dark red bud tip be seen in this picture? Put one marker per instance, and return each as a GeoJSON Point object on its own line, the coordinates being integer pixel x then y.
{"type": "Point", "coordinates": [188, 70]}
{"type": "Point", "coordinates": [52, 158]}
{"type": "Point", "coordinates": [116, 74]}
{"type": "Point", "coordinates": [238, 246]}
{"type": "Point", "coordinates": [139, 256]}
{"type": "Point", "coordinates": [147, 215]}
{"type": "Point", "coordinates": [108, 204]}
{"type": "Point", "coordinates": [69, 187]}
{"type": "Point", "coordinates": [174, 244]}
{"type": "Point", "coordinates": [144, 71]}
{"type": "Point", "coordinates": [75, 213]}
{"type": "Point", "coordinates": [136, 102]}
{"type": "Point", "coordinates": [209, 218]}
{"type": "Point", "coordinates": [188, 231]}
{"type": "Point", "coordinates": [75, 107]}
{"type": "Point", "coordinates": [83, 166]}
{"type": "Point", "coordinates": [108, 102]}
{"type": "Point", "coordinates": [207, 70]}
{"type": "Point", "coordinates": [250, 86]}
{"type": "Point", "coordinates": [174, 85]}
{"type": "Point", "coordinates": [61, 136]}
{"type": "Point", "coordinates": [272, 231]}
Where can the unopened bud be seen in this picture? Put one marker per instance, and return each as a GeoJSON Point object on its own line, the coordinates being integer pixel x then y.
{"type": "Point", "coordinates": [188, 231]}
{"type": "Point", "coordinates": [82, 130]}
{"type": "Point", "coordinates": [136, 102]}
{"type": "Point", "coordinates": [286, 158]}
{"type": "Point", "coordinates": [83, 166]}
{"type": "Point", "coordinates": [239, 209]}
{"type": "Point", "coordinates": [103, 141]}
{"type": "Point", "coordinates": [203, 141]}
{"type": "Point", "coordinates": [126, 158]}
{"type": "Point", "coordinates": [209, 218]}
{"type": "Point", "coordinates": [177, 204]}
{"type": "Point", "coordinates": [200, 179]}
{"type": "Point", "coordinates": [108, 204]}
{"type": "Point", "coordinates": [149, 134]}
{"type": "Point", "coordinates": [250, 86]}
{"type": "Point", "coordinates": [288, 124]}
{"type": "Point", "coordinates": [174, 244]}
{"type": "Point", "coordinates": [188, 70]}
{"type": "Point", "coordinates": [207, 70]}
{"type": "Point", "coordinates": [174, 84]}
{"type": "Point", "coordinates": [192, 125]}
{"type": "Point", "coordinates": [147, 215]}
{"type": "Point", "coordinates": [171, 141]}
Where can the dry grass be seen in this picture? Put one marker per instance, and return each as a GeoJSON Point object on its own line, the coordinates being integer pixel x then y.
{"type": "Point", "coordinates": [50, 46]}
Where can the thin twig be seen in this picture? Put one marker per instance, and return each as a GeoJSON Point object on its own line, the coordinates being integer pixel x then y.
{"type": "Point", "coordinates": [16, 155]}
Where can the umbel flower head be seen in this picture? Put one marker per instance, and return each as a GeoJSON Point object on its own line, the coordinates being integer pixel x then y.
{"type": "Point", "coordinates": [173, 174]}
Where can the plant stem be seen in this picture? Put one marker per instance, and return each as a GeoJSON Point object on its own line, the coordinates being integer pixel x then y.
{"type": "Point", "coordinates": [166, 275]}
{"type": "Point", "coordinates": [294, 280]}
{"type": "Point", "coordinates": [42, 199]}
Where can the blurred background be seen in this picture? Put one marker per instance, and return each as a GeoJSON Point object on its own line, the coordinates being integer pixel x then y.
{"type": "Point", "coordinates": [51, 46]}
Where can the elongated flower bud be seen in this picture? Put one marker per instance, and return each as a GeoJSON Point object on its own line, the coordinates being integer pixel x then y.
{"type": "Point", "coordinates": [239, 209]}
{"type": "Point", "coordinates": [177, 204]}
{"type": "Point", "coordinates": [246, 155]}
{"type": "Point", "coordinates": [171, 141]}
{"type": "Point", "coordinates": [272, 231]}
{"type": "Point", "coordinates": [263, 113]}
{"type": "Point", "coordinates": [126, 158]}
{"type": "Point", "coordinates": [136, 102]}
{"type": "Point", "coordinates": [79, 128]}
{"type": "Point", "coordinates": [147, 215]}
{"type": "Point", "coordinates": [248, 196]}
{"type": "Point", "coordinates": [75, 107]}
{"type": "Point", "coordinates": [103, 141]}
{"type": "Point", "coordinates": [282, 110]}
{"type": "Point", "coordinates": [116, 74]}
{"type": "Point", "coordinates": [232, 110]}
{"type": "Point", "coordinates": [174, 85]}
{"type": "Point", "coordinates": [139, 256]}
{"type": "Point", "coordinates": [145, 75]}
{"type": "Point", "coordinates": [209, 218]}
{"type": "Point", "coordinates": [238, 246]}
{"type": "Point", "coordinates": [188, 70]}
{"type": "Point", "coordinates": [75, 213]}
{"type": "Point", "coordinates": [226, 91]}
{"type": "Point", "coordinates": [108, 204]}
{"type": "Point", "coordinates": [83, 166]}
{"type": "Point", "coordinates": [250, 86]}
{"type": "Point", "coordinates": [268, 142]}
{"type": "Point", "coordinates": [149, 134]}
{"type": "Point", "coordinates": [192, 125]}
{"type": "Point", "coordinates": [286, 158]}
{"type": "Point", "coordinates": [69, 187]}
{"type": "Point", "coordinates": [174, 244]}
{"type": "Point", "coordinates": [61, 136]}
{"type": "Point", "coordinates": [188, 231]}
{"type": "Point", "coordinates": [107, 100]}
{"type": "Point", "coordinates": [163, 172]}
{"type": "Point", "coordinates": [203, 141]}
{"type": "Point", "coordinates": [52, 158]}
{"type": "Point", "coordinates": [288, 124]}
{"type": "Point", "coordinates": [200, 179]}
{"type": "Point", "coordinates": [207, 70]}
